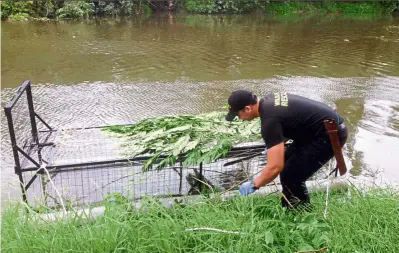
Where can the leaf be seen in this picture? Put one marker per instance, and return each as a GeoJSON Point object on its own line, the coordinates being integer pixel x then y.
{"type": "Point", "coordinates": [191, 145]}
{"type": "Point", "coordinates": [170, 160]}
{"type": "Point", "coordinates": [180, 145]}
{"type": "Point", "coordinates": [150, 161]}
{"type": "Point", "coordinates": [269, 238]}
{"type": "Point", "coordinates": [153, 135]}
{"type": "Point", "coordinates": [304, 247]}
{"type": "Point", "coordinates": [302, 226]}
{"type": "Point", "coordinates": [179, 129]}
{"type": "Point", "coordinates": [137, 150]}
{"type": "Point", "coordinates": [192, 158]}
{"type": "Point", "coordinates": [320, 239]}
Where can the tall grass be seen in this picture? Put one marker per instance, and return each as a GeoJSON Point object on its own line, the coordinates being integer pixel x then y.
{"type": "Point", "coordinates": [248, 224]}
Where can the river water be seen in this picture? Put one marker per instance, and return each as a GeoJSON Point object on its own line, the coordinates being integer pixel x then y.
{"type": "Point", "coordinates": [100, 72]}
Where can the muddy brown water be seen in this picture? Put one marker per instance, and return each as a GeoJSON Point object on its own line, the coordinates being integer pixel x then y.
{"type": "Point", "coordinates": [102, 72]}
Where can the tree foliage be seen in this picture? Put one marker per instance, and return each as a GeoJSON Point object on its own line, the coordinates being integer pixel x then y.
{"type": "Point", "coordinates": [114, 8]}
{"type": "Point", "coordinates": [219, 6]}
{"type": "Point", "coordinates": [75, 9]}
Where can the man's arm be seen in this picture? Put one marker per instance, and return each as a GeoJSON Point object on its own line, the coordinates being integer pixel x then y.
{"type": "Point", "coordinates": [274, 165]}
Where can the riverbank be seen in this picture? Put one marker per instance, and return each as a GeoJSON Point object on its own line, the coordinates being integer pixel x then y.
{"type": "Point", "coordinates": [355, 222]}
{"type": "Point", "coordinates": [78, 9]}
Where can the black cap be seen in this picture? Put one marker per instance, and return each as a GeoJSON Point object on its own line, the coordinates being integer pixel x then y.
{"type": "Point", "coordinates": [237, 101]}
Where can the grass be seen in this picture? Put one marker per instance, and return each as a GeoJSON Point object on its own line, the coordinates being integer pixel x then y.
{"type": "Point", "coordinates": [356, 224]}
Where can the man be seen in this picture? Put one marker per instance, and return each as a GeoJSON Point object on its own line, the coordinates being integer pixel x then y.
{"type": "Point", "coordinates": [283, 117]}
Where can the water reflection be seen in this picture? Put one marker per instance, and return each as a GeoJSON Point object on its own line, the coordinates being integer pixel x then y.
{"type": "Point", "coordinates": [376, 140]}
{"type": "Point", "coordinates": [198, 48]}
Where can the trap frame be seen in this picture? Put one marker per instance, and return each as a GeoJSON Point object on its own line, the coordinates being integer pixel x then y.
{"type": "Point", "coordinates": [82, 166]}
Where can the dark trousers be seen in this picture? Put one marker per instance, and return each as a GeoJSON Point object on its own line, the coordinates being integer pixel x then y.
{"type": "Point", "coordinates": [301, 161]}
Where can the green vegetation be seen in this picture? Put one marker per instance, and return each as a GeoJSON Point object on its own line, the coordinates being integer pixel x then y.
{"type": "Point", "coordinates": [291, 7]}
{"type": "Point", "coordinates": [251, 224]}
{"type": "Point", "coordinates": [62, 9]}
{"type": "Point", "coordinates": [76, 9]}
{"type": "Point", "coordinates": [196, 139]}
{"type": "Point", "coordinates": [17, 10]}
{"type": "Point", "coordinates": [72, 9]}
{"type": "Point", "coordinates": [231, 6]}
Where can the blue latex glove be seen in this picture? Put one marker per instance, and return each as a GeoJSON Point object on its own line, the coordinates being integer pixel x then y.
{"type": "Point", "coordinates": [246, 188]}
{"type": "Point", "coordinates": [265, 152]}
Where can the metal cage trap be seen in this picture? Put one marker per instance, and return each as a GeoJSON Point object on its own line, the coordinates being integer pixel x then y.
{"type": "Point", "coordinates": [83, 165]}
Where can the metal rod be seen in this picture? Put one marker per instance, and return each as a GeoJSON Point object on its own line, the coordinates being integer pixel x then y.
{"type": "Point", "coordinates": [31, 181]}
{"type": "Point", "coordinates": [11, 103]}
{"type": "Point", "coordinates": [17, 168]}
{"type": "Point", "coordinates": [27, 149]}
{"type": "Point", "coordinates": [32, 113]}
{"type": "Point", "coordinates": [71, 165]}
{"type": "Point", "coordinates": [46, 144]}
{"type": "Point", "coordinates": [181, 178]}
{"type": "Point", "coordinates": [28, 156]}
{"type": "Point", "coordinates": [74, 128]}
{"type": "Point", "coordinates": [242, 159]}
{"type": "Point", "coordinates": [201, 177]}
{"type": "Point", "coordinates": [44, 122]}
{"type": "Point", "coordinates": [138, 158]}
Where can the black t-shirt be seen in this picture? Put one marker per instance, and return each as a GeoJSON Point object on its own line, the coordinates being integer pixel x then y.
{"type": "Point", "coordinates": [294, 117]}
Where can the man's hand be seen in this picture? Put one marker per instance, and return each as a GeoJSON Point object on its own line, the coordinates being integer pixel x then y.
{"type": "Point", "coordinates": [246, 188]}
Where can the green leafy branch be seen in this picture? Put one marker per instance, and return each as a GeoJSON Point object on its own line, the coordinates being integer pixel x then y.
{"type": "Point", "coordinates": [192, 139]}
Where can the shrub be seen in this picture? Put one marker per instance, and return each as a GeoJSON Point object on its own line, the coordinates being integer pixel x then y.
{"type": "Point", "coordinates": [11, 8]}
{"type": "Point", "coordinates": [121, 8]}
{"type": "Point", "coordinates": [220, 6]}
{"type": "Point", "coordinates": [75, 9]}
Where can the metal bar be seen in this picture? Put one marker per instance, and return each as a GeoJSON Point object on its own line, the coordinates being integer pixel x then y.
{"type": "Point", "coordinates": [76, 128]}
{"type": "Point", "coordinates": [71, 165]}
{"type": "Point", "coordinates": [11, 103]}
{"type": "Point", "coordinates": [181, 178]}
{"type": "Point", "coordinates": [17, 168]}
{"type": "Point", "coordinates": [29, 158]}
{"type": "Point", "coordinates": [240, 154]}
{"type": "Point", "coordinates": [44, 122]}
{"type": "Point", "coordinates": [28, 149]}
{"type": "Point", "coordinates": [26, 144]}
{"type": "Point", "coordinates": [31, 181]}
{"type": "Point", "coordinates": [242, 159]}
{"type": "Point", "coordinates": [201, 177]}
{"type": "Point", "coordinates": [140, 158]}
{"type": "Point", "coordinates": [32, 113]}
{"type": "Point", "coordinates": [45, 144]}
{"type": "Point", "coordinates": [33, 124]}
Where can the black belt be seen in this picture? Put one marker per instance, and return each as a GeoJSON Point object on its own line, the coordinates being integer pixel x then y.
{"type": "Point", "coordinates": [340, 127]}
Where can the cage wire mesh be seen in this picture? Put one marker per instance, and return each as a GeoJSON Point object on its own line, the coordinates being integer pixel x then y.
{"type": "Point", "coordinates": [86, 165]}
{"type": "Point", "coordinates": [90, 184]}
